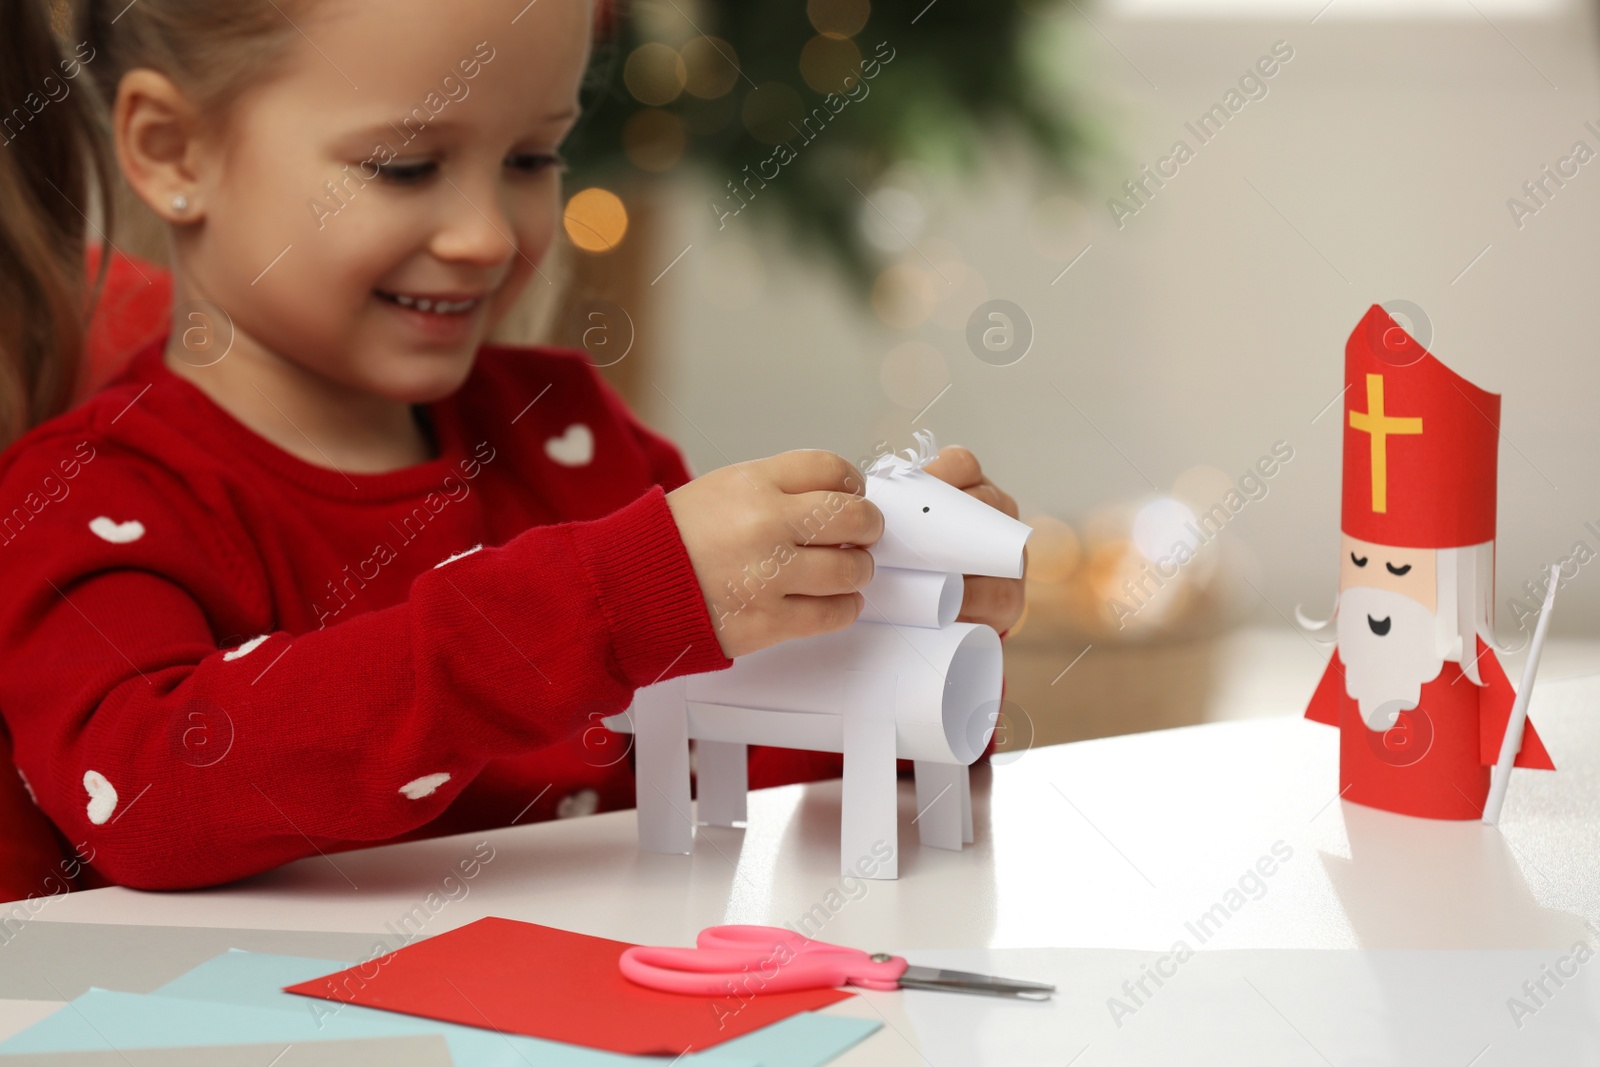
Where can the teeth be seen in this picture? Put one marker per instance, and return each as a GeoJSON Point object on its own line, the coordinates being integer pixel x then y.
{"type": "Point", "coordinates": [436, 307]}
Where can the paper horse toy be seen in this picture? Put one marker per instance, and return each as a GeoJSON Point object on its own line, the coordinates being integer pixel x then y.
{"type": "Point", "coordinates": [905, 680]}
{"type": "Point", "coordinates": [1420, 700]}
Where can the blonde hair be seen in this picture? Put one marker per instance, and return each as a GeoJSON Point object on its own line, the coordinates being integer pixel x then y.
{"type": "Point", "coordinates": [58, 172]}
{"type": "Point", "coordinates": [1465, 582]}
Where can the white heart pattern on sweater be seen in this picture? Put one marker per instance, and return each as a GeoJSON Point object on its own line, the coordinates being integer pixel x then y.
{"type": "Point", "coordinates": [102, 797]}
{"type": "Point", "coordinates": [574, 448]}
{"type": "Point", "coordinates": [118, 533]}
{"type": "Point", "coordinates": [425, 786]}
{"type": "Point", "coordinates": [245, 649]}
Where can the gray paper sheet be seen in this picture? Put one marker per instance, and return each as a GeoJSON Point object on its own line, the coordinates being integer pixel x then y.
{"type": "Point", "coordinates": [58, 961]}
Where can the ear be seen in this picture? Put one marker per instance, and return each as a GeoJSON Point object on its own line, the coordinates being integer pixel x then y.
{"type": "Point", "coordinates": [157, 134]}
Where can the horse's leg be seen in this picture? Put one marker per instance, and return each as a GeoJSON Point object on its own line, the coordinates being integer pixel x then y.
{"type": "Point", "coordinates": [870, 802]}
{"type": "Point", "coordinates": [942, 804]}
{"type": "Point", "coordinates": [722, 771]}
{"type": "Point", "coordinates": [966, 805]}
{"type": "Point", "coordinates": [661, 735]}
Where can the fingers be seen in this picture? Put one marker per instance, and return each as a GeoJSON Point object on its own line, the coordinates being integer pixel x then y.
{"type": "Point", "coordinates": [823, 614]}
{"type": "Point", "coordinates": [816, 592]}
{"type": "Point", "coordinates": [994, 601]}
{"type": "Point", "coordinates": [806, 470]}
{"type": "Point", "coordinates": [828, 571]}
{"type": "Point", "coordinates": [994, 496]}
{"type": "Point", "coordinates": [957, 465]}
{"type": "Point", "coordinates": [834, 518]}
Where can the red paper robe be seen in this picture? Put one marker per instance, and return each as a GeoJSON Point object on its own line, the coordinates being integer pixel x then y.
{"type": "Point", "coordinates": [1434, 765]}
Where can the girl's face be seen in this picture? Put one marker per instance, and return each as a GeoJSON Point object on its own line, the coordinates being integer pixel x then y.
{"type": "Point", "coordinates": [372, 211]}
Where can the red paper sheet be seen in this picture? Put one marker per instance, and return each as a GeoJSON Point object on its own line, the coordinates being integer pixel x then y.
{"type": "Point", "coordinates": [522, 978]}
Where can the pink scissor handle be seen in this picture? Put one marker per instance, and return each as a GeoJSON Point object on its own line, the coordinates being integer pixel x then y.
{"type": "Point", "coordinates": [763, 938]}
{"type": "Point", "coordinates": [746, 960]}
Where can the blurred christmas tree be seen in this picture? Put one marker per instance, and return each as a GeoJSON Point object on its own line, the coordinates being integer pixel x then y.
{"type": "Point", "coordinates": [795, 109]}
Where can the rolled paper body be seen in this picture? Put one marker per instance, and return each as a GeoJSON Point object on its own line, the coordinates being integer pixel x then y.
{"type": "Point", "coordinates": [931, 525]}
{"type": "Point", "coordinates": [912, 598]}
{"type": "Point", "coordinates": [947, 692]}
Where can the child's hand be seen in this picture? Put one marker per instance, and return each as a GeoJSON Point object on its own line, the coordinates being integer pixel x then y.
{"type": "Point", "coordinates": [763, 537]}
{"type": "Point", "coordinates": [996, 601]}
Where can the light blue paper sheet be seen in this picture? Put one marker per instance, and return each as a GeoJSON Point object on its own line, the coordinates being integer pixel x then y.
{"type": "Point", "coordinates": [245, 1003]}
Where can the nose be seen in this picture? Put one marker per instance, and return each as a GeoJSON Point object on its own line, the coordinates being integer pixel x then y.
{"type": "Point", "coordinates": [1380, 626]}
{"type": "Point", "coordinates": [476, 230]}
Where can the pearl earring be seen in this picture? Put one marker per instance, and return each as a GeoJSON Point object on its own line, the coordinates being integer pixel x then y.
{"type": "Point", "coordinates": [180, 203]}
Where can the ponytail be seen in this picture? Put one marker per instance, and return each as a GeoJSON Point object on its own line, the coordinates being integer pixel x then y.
{"type": "Point", "coordinates": [56, 175]}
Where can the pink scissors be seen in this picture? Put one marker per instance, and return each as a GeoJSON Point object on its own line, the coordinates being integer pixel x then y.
{"type": "Point", "coordinates": [755, 959]}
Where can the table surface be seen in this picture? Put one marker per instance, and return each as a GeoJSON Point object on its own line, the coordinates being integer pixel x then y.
{"type": "Point", "coordinates": [1112, 843]}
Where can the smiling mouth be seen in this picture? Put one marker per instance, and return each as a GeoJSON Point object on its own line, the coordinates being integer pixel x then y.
{"type": "Point", "coordinates": [431, 305]}
{"type": "Point", "coordinates": [1380, 626]}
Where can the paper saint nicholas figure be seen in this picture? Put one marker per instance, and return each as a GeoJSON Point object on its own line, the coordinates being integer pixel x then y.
{"type": "Point", "coordinates": [1420, 700]}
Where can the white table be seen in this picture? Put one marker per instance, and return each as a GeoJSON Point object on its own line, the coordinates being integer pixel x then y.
{"type": "Point", "coordinates": [1114, 843]}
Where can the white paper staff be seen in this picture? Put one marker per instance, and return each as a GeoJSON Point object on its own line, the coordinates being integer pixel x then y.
{"type": "Point", "coordinates": [1511, 742]}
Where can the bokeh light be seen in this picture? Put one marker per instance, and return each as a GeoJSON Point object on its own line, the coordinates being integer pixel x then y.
{"type": "Point", "coordinates": [840, 18]}
{"type": "Point", "coordinates": [892, 218]}
{"type": "Point", "coordinates": [595, 220]}
{"type": "Point", "coordinates": [1161, 526]}
{"type": "Point", "coordinates": [826, 61]}
{"type": "Point", "coordinates": [712, 66]}
{"type": "Point", "coordinates": [655, 74]}
{"type": "Point", "coordinates": [1109, 563]}
{"type": "Point", "coordinates": [1054, 550]}
{"type": "Point", "coordinates": [653, 139]}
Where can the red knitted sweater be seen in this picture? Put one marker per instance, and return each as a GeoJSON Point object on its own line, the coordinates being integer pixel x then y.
{"type": "Point", "coordinates": [216, 657]}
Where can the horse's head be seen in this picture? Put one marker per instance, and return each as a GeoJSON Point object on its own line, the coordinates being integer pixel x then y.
{"type": "Point", "coordinates": [930, 525]}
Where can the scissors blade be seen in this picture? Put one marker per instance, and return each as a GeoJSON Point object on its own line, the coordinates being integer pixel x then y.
{"type": "Point", "coordinates": [938, 978]}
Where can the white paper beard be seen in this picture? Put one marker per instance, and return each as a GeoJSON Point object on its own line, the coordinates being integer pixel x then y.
{"type": "Point", "coordinates": [1380, 670]}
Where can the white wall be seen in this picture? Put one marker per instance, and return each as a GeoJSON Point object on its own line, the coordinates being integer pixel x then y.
{"type": "Point", "coordinates": [1213, 323]}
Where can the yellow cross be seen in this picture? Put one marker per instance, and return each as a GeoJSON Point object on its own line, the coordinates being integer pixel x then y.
{"type": "Point", "coordinates": [1373, 421]}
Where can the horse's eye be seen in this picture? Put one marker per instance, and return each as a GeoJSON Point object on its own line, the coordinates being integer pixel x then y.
{"type": "Point", "coordinates": [924, 507]}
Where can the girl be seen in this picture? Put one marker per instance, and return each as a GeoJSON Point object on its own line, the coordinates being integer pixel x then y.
{"type": "Point", "coordinates": [322, 568]}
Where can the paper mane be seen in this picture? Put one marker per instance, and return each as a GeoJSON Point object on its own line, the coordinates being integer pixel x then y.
{"type": "Point", "coordinates": [890, 464]}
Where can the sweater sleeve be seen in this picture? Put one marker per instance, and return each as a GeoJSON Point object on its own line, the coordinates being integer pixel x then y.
{"type": "Point", "coordinates": [767, 767]}
{"type": "Point", "coordinates": [182, 764]}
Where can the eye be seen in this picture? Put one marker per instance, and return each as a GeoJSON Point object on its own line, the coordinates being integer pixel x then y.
{"type": "Point", "coordinates": [408, 173]}
{"type": "Point", "coordinates": [1397, 571]}
{"type": "Point", "coordinates": [536, 162]}
{"type": "Point", "coordinates": [924, 507]}
{"type": "Point", "coordinates": [1359, 561]}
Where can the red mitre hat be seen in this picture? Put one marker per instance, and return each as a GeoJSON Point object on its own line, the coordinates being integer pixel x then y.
{"type": "Point", "coordinates": [1421, 444]}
